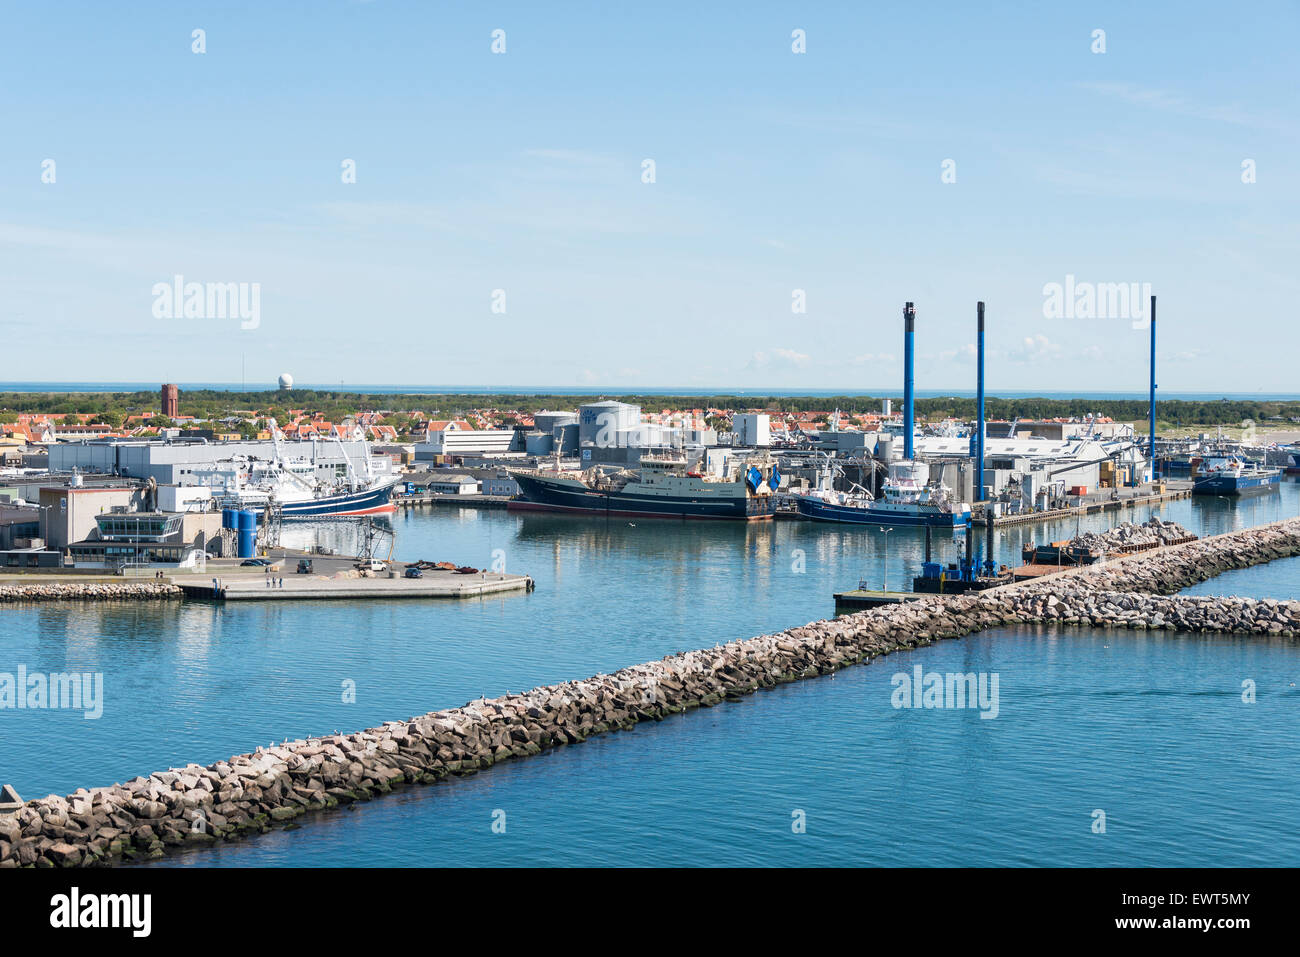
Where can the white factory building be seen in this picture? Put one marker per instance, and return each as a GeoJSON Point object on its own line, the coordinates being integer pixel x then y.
{"type": "Point", "coordinates": [752, 429]}
{"type": "Point", "coordinates": [174, 463]}
{"type": "Point", "coordinates": [466, 442]}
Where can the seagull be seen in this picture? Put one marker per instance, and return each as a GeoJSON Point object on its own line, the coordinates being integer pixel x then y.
{"type": "Point", "coordinates": [631, 524]}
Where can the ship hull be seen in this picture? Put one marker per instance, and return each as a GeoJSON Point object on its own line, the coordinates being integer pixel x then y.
{"type": "Point", "coordinates": [1234, 484]}
{"type": "Point", "coordinates": [820, 511]}
{"type": "Point", "coordinates": [537, 495]}
{"type": "Point", "coordinates": [375, 501]}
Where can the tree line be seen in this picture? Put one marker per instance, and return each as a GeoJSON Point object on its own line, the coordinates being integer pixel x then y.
{"type": "Point", "coordinates": [214, 405]}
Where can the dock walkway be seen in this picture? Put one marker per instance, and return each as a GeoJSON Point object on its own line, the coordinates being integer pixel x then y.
{"type": "Point", "coordinates": [861, 598]}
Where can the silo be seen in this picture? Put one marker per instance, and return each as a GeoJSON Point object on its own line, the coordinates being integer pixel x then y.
{"type": "Point", "coordinates": [247, 522]}
{"type": "Point", "coordinates": [566, 437]}
{"type": "Point", "coordinates": [600, 422]}
{"type": "Point", "coordinates": [548, 421]}
{"type": "Point", "coordinates": [539, 443]}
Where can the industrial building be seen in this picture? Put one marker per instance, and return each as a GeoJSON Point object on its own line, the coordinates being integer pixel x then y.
{"type": "Point", "coordinates": [752, 429]}
{"type": "Point", "coordinates": [1059, 431]}
{"type": "Point", "coordinates": [453, 485]}
{"type": "Point", "coordinates": [174, 463]}
{"type": "Point", "coordinates": [20, 527]}
{"type": "Point", "coordinates": [501, 484]}
{"type": "Point", "coordinates": [468, 442]}
{"type": "Point", "coordinates": [69, 513]}
{"type": "Point", "coordinates": [134, 539]}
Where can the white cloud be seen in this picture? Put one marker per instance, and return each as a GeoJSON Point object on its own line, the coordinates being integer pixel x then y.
{"type": "Point", "coordinates": [1034, 349]}
{"type": "Point", "coordinates": [572, 157]}
{"type": "Point", "coordinates": [966, 353]}
{"type": "Point", "coordinates": [778, 359]}
{"type": "Point", "coordinates": [1173, 103]}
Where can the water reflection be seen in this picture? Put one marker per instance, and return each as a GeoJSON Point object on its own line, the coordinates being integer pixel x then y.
{"type": "Point", "coordinates": [342, 536]}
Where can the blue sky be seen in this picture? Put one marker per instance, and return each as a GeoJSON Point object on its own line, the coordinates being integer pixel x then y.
{"type": "Point", "coordinates": [775, 171]}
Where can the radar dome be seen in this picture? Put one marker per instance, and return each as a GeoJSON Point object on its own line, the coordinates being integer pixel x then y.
{"type": "Point", "coordinates": [286, 381]}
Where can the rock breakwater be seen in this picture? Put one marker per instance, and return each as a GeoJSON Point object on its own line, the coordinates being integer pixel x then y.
{"type": "Point", "coordinates": [86, 591]}
{"type": "Point", "coordinates": [1153, 532]}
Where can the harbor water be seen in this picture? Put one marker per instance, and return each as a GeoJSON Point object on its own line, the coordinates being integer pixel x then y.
{"type": "Point", "coordinates": [1149, 728]}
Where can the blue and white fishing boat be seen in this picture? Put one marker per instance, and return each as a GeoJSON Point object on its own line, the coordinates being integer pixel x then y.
{"type": "Point", "coordinates": [908, 499]}
{"type": "Point", "coordinates": [290, 486]}
{"type": "Point", "coordinates": [1234, 475]}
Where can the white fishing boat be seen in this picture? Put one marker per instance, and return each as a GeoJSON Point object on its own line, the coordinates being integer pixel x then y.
{"type": "Point", "coordinates": [291, 486]}
{"type": "Point", "coordinates": [909, 498]}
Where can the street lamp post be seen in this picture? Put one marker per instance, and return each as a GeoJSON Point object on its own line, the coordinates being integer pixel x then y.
{"type": "Point", "coordinates": [885, 569]}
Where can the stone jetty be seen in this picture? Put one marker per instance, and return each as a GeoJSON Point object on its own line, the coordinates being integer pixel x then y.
{"type": "Point", "coordinates": [146, 816]}
{"type": "Point", "coordinates": [1167, 570]}
{"type": "Point", "coordinates": [1149, 534]}
{"type": "Point", "coordinates": [86, 591]}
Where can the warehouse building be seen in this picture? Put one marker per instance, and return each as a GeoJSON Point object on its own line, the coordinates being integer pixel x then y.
{"type": "Point", "coordinates": [174, 463]}
{"type": "Point", "coordinates": [468, 442]}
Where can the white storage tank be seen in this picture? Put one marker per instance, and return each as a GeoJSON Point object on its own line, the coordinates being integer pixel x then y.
{"type": "Point", "coordinates": [548, 421]}
{"type": "Point", "coordinates": [600, 422]}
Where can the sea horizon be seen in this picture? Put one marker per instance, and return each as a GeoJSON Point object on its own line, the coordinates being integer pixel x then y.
{"type": "Point", "coordinates": [71, 388]}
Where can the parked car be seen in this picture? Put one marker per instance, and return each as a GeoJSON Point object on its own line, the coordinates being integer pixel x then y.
{"type": "Point", "coordinates": [255, 562]}
{"type": "Point", "coordinates": [413, 572]}
{"type": "Point", "coordinates": [374, 565]}
{"type": "Point", "coordinates": [304, 566]}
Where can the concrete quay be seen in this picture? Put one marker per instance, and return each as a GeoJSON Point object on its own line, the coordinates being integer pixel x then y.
{"type": "Point", "coordinates": [436, 583]}
{"type": "Point", "coordinates": [434, 499]}
{"type": "Point", "coordinates": [1093, 503]}
{"type": "Point", "coordinates": [194, 804]}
